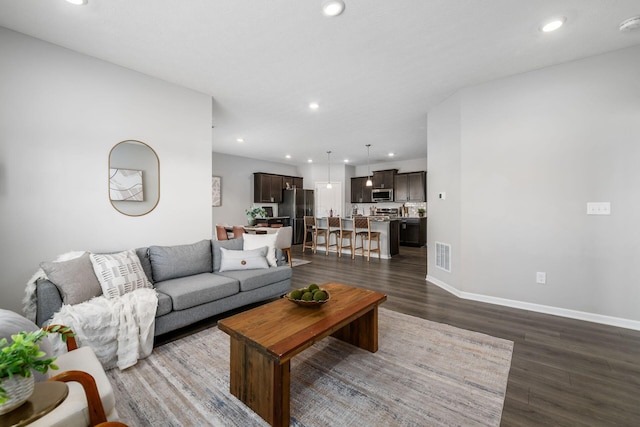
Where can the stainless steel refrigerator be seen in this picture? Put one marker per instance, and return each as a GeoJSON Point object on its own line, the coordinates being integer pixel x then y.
{"type": "Point", "coordinates": [296, 204]}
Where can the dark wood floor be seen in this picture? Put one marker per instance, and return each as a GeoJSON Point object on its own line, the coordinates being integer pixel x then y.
{"type": "Point", "coordinates": [564, 372]}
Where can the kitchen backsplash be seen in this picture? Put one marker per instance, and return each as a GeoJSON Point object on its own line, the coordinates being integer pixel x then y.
{"type": "Point", "coordinates": [365, 208]}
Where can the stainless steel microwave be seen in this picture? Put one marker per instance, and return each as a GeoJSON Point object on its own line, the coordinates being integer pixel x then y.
{"type": "Point", "coordinates": [382, 195]}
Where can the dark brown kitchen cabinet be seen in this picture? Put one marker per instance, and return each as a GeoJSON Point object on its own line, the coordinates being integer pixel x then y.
{"type": "Point", "coordinates": [267, 188]}
{"type": "Point", "coordinates": [410, 187]}
{"type": "Point", "coordinates": [360, 193]}
{"type": "Point", "coordinates": [413, 231]}
{"type": "Point", "coordinates": [384, 179]}
{"type": "Point", "coordinates": [289, 182]}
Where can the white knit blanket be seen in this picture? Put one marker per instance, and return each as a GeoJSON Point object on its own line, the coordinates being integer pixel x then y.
{"type": "Point", "coordinates": [120, 330]}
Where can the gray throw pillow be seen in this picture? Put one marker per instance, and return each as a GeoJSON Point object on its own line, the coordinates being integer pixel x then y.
{"type": "Point", "coordinates": [74, 278]}
{"type": "Point", "coordinates": [11, 323]}
{"type": "Point", "coordinates": [233, 244]}
{"type": "Point", "coordinates": [171, 262]}
{"type": "Point", "coordinates": [243, 260]}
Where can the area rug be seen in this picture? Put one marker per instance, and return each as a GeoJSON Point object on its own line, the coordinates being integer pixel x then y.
{"type": "Point", "coordinates": [296, 262]}
{"type": "Point", "coordinates": [424, 374]}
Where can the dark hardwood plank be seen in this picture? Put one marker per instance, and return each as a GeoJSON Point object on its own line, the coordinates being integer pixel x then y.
{"type": "Point", "coordinates": [564, 372]}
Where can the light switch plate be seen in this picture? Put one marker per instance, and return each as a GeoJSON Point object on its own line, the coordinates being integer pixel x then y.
{"type": "Point", "coordinates": [599, 208]}
{"type": "Point", "coordinates": [442, 195]}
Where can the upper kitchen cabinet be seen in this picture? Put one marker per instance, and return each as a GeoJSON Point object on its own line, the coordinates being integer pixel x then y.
{"type": "Point", "coordinates": [289, 182]}
{"type": "Point", "coordinates": [267, 188]}
{"type": "Point", "coordinates": [384, 179]}
{"type": "Point", "coordinates": [360, 193]}
{"type": "Point", "coordinates": [410, 187]}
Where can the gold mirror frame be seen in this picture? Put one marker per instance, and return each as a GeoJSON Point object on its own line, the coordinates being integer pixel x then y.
{"type": "Point", "coordinates": [141, 162]}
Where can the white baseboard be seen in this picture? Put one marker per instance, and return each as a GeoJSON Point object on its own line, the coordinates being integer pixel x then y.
{"type": "Point", "coordinates": [556, 311]}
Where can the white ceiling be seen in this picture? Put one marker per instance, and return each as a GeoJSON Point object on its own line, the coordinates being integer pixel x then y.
{"type": "Point", "coordinates": [376, 70]}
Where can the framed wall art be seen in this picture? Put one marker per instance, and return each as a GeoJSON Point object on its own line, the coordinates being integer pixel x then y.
{"type": "Point", "coordinates": [216, 191]}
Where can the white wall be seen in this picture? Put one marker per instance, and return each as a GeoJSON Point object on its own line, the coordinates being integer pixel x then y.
{"type": "Point", "coordinates": [237, 185]}
{"type": "Point", "coordinates": [61, 113]}
{"type": "Point", "coordinates": [533, 150]}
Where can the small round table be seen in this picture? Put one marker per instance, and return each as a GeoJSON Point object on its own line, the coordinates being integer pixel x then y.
{"type": "Point", "coordinates": [47, 395]}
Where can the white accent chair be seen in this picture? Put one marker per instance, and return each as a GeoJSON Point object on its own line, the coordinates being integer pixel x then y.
{"type": "Point", "coordinates": [283, 242]}
{"type": "Point", "coordinates": [91, 401]}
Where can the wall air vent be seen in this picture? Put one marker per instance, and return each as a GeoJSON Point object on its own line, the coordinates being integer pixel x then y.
{"type": "Point", "coordinates": [443, 256]}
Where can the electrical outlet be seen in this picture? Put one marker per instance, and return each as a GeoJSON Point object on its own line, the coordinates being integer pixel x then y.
{"type": "Point", "coordinates": [541, 277]}
{"type": "Point", "coordinates": [442, 195]}
{"type": "Point", "coordinates": [599, 208]}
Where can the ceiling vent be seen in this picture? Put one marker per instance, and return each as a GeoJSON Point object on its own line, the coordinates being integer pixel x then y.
{"type": "Point", "coordinates": [443, 256]}
{"type": "Point", "coordinates": [630, 24]}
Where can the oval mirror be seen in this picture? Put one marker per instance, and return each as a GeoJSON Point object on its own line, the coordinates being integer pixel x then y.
{"type": "Point", "coordinates": [134, 178]}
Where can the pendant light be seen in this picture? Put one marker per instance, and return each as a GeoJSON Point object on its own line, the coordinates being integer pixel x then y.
{"type": "Point", "coordinates": [329, 170]}
{"type": "Point", "coordinates": [369, 182]}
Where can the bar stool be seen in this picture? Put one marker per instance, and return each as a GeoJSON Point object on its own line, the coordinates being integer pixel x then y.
{"type": "Point", "coordinates": [345, 234]}
{"type": "Point", "coordinates": [362, 229]}
{"type": "Point", "coordinates": [334, 225]}
{"type": "Point", "coordinates": [311, 229]}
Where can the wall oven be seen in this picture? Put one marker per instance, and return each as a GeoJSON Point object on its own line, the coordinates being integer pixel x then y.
{"type": "Point", "coordinates": [382, 195]}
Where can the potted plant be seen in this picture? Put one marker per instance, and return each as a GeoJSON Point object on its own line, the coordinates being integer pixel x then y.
{"type": "Point", "coordinates": [254, 212]}
{"type": "Point", "coordinates": [421, 212]}
{"type": "Point", "coordinates": [17, 359]}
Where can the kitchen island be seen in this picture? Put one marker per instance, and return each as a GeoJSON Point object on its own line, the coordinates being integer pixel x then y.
{"type": "Point", "coordinates": [389, 229]}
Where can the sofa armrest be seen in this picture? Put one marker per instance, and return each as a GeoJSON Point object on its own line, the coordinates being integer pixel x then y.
{"type": "Point", "coordinates": [49, 301]}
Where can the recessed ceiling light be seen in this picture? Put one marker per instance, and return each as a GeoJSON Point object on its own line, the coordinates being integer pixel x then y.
{"type": "Point", "coordinates": [78, 2]}
{"type": "Point", "coordinates": [346, 160]}
{"type": "Point", "coordinates": [630, 24]}
{"type": "Point", "coordinates": [288, 156]}
{"type": "Point", "coordinates": [392, 154]}
{"type": "Point", "coordinates": [309, 161]}
{"type": "Point", "coordinates": [239, 140]}
{"type": "Point", "coordinates": [314, 105]}
{"type": "Point", "coordinates": [332, 7]}
{"type": "Point", "coordinates": [552, 24]}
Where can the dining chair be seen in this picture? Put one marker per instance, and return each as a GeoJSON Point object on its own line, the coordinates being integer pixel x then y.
{"type": "Point", "coordinates": [362, 229]}
{"type": "Point", "coordinates": [221, 232]}
{"type": "Point", "coordinates": [283, 242]}
{"type": "Point", "coordinates": [238, 231]}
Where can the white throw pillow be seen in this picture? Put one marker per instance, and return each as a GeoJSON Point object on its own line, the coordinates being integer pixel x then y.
{"type": "Point", "coordinates": [255, 241]}
{"type": "Point", "coordinates": [243, 260]}
{"type": "Point", "coordinates": [119, 273]}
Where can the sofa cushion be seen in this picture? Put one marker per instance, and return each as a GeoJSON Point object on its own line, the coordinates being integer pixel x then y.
{"type": "Point", "coordinates": [253, 279]}
{"type": "Point", "coordinates": [255, 241]}
{"type": "Point", "coordinates": [74, 278]}
{"type": "Point", "coordinates": [171, 262]}
{"type": "Point", "coordinates": [119, 273]}
{"type": "Point", "coordinates": [164, 304]}
{"type": "Point", "coordinates": [233, 244]}
{"type": "Point", "coordinates": [198, 289]}
{"type": "Point", "coordinates": [243, 260]}
{"type": "Point", "coordinates": [143, 256]}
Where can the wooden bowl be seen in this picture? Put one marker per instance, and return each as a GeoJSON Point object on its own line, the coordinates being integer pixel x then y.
{"type": "Point", "coordinates": [308, 303]}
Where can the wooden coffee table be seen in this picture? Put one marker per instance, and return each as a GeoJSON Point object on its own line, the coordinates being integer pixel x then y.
{"type": "Point", "coordinates": [264, 339]}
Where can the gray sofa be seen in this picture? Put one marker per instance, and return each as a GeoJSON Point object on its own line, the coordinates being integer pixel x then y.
{"type": "Point", "coordinates": [189, 283]}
